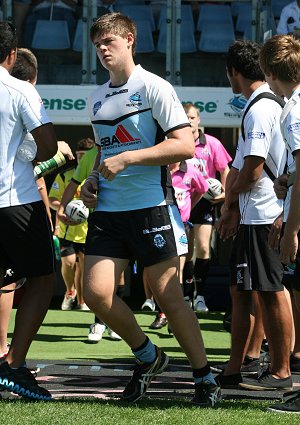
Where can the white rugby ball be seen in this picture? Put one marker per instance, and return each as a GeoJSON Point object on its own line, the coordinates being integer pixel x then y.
{"type": "Point", "coordinates": [77, 211]}
{"type": "Point", "coordinates": [214, 188]}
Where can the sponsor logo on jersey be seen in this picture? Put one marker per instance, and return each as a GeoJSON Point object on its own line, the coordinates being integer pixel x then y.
{"type": "Point", "coordinates": [157, 229]}
{"type": "Point", "coordinates": [256, 135]}
{"type": "Point", "coordinates": [55, 186]}
{"type": "Point", "coordinates": [159, 241]}
{"type": "Point", "coordinates": [294, 128]}
{"type": "Point", "coordinates": [96, 107]}
{"type": "Point", "coordinates": [122, 136]}
{"type": "Point", "coordinates": [135, 100]}
{"type": "Point", "coordinates": [116, 92]}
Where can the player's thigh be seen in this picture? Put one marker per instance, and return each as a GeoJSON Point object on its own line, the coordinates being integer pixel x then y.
{"type": "Point", "coordinates": [163, 277]}
{"type": "Point", "coordinates": [102, 274]}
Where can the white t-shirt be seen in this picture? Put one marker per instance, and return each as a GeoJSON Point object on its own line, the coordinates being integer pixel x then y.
{"type": "Point", "coordinates": [21, 110]}
{"type": "Point", "coordinates": [135, 116]}
{"type": "Point", "coordinates": [289, 18]}
{"type": "Point", "coordinates": [263, 139]}
{"type": "Point", "coordinates": [290, 127]}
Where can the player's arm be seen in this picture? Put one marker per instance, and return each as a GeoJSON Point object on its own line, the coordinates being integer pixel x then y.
{"type": "Point", "coordinates": [178, 146]}
{"type": "Point", "coordinates": [221, 197]}
{"type": "Point", "coordinates": [89, 190]}
{"type": "Point", "coordinates": [46, 141]}
{"type": "Point", "coordinates": [289, 242]}
{"type": "Point", "coordinates": [68, 195]}
{"type": "Point", "coordinates": [44, 195]}
{"type": "Point", "coordinates": [248, 174]}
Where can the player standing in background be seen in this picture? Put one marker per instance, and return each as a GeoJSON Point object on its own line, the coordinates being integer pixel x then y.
{"type": "Point", "coordinates": [210, 157]}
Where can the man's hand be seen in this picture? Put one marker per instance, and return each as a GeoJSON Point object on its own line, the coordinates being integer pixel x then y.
{"type": "Point", "coordinates": [65, 149]}
{"type": "Point", "coordinates": [89, 193]}
{"type": "Point", "coordinates": [61, 215]}
{"type": "Point", "coordinates": [288, 248]}
{"type": "Point", "coordinates": [217, 199]}
{"type": "Point", "coordinates": [110, 167]}
{"type": "Point", "coordinates": [275, 233]}
{"type": "Point", "coordinates": [280, 186]}
{"type": "Point", "coordinates": [228, 223]}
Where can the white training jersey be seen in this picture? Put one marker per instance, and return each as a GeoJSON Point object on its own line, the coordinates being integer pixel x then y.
{"type": "Point", "coordinates": [21, 110]}
{"type": "Point", "coordinates": [290, 127]}
{"type": "Point", "coordinates": [137, 115]}
{"type": "Point", "coordinates": [263, 139]}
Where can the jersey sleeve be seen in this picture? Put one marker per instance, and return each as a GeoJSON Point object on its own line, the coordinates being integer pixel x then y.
{"type": "Point", "coordinates": [32, 109]}
{"type": "Point", "coordinates": [167, 109]}
{"type": "Point", "coordinates": [292, 129]}
{"type": "Point", "coordinates": [199, 182]}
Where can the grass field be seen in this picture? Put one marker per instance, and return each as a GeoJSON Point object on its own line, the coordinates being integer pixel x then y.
{"type": "Point", "coordinates": [63, 337]}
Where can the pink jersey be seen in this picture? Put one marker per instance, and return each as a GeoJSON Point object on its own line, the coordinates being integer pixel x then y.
{"type": "Point", "coordinates": [210, 156]}
{"type": "Point", "coordinates": [185, 181]}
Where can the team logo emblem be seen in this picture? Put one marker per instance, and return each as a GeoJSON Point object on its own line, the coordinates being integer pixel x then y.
{"type": "Point", "coordinates": [159, 241]}
{"type": "Point", "coordinates": [237, 103]}
{"type": "Point", "coordinates": [96, 107]}
{"type": "Point", "coordinates": [183, 239]}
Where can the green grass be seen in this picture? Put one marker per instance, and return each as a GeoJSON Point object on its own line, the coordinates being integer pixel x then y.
{"type": "Point", "coordinates": [63, 337]}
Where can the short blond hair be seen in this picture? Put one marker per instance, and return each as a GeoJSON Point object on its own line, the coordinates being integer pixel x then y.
{"type": "Point", "coordinates": [280, 56]}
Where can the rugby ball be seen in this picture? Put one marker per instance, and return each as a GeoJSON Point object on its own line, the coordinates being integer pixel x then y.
{"type": "Point", "coordinates": [214, 188]}
{"type": "Point", "coordinates": [77, 211]}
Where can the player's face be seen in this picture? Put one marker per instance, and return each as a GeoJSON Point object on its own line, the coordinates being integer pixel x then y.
{"type": "Point", "coordinates": [194, 119]}
{"type": "Point", "coordinates": [113, 50]}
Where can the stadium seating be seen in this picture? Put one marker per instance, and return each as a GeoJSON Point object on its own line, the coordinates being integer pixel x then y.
{"type": "Point", "coordinates": [77, 42]}
{"type": "Point", "coordinates": [145, 43]}
{"type": "Point", "coordinates": [214, 13]}
{"type": "Point", "coordinates": [138, 13]}
{"type": "Point", "coordinates": [187, 38]}
{"type": "Point", "coordinates": [51, 35]}
{"type": "Point", "coordinates": [244, 17]}
{"type": "Point", "coordinates": [186, 16]}
{"type": "Point", "coordinates": [278, 5]}
{"type": "Point", "coordinates": [216, 38]}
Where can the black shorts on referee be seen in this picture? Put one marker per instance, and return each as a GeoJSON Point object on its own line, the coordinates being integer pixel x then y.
{"type": "Point", "coordinates": [254, 265]}
{"type": "Point", "coordinates": [26, 244]}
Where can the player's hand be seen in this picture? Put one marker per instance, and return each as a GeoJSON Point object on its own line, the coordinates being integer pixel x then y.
{"type": "Point", "coordinates": [110, 167]}
{"type": "Point", "coordinates": [61, 215]}
{"type": "Point", "coordinates": [288, 248]}
{"type": "Point", "coordinates": [217, 199]}
{"type": "Point", "coordinates": [275, 232]}
{"type": "Point", "coordinates": [228, 223]}
{"type": "Point", "coordinates": [65, 149]}
{"type": "Point", "coordinates": [280, 186]}
{"type": "Point", "coordinates": [88, 193]}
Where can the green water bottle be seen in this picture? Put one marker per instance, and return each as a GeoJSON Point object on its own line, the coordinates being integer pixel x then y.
{"type": "Point", "coordinates": [56, 247]}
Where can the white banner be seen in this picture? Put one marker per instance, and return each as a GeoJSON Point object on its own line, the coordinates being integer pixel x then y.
{"type": "Point", "coordinates": [218, 106]}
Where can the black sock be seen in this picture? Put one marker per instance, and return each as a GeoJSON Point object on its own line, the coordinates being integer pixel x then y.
{"type": "Point", "coordinates": [200, 272]}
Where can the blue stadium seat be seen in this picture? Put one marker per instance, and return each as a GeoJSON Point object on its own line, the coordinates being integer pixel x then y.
{"type": "Point", "coordinates": [244, 17]}
{"type": "Point", "coordinates": [128, 2]}
{"type": "Point", "coordinates": [145, 43]}
{"type": "Point", "coordinates": [187, 38]}
{"type": "Point", "coordinates": [186, 16]}
{"type": "Point", "coordinates": [138, 13]}
{"type": "Point", "coordinates": [216, 38]}
{"type": "Point", "coordinates": [77, 42]}
{"type": "Point", "coordinates": [214, 13]}
{"type": "Point", "coordinates": [51, 35]}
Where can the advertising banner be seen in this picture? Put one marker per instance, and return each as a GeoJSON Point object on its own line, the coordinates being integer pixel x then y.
{"type": "Point", "coordinates": [219, 107]}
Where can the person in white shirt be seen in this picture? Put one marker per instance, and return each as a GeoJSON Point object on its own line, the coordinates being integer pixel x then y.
{"type": "Point", "coordinates": [26, 241]}
{"type": "Point", "coordinates": [251, 206]}
{"type": "Point", "coordinates": [280, 62]}
{"type": "Point", "coordinates": [289, 18]}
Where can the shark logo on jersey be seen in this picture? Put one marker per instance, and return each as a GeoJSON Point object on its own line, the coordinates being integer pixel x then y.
{"type": "Point", "coordinates": [183, 239]}
{"type": "Point", "coordinates": [159, 241]}
{"type": "Point", "coordinates": [135, 100]}
{"type": "Point", "coordinates": [97, 106]}
{"type": "Point", "coordinates": [256, 135]}
{"type": "Point", "coordinates": [294, 128]}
